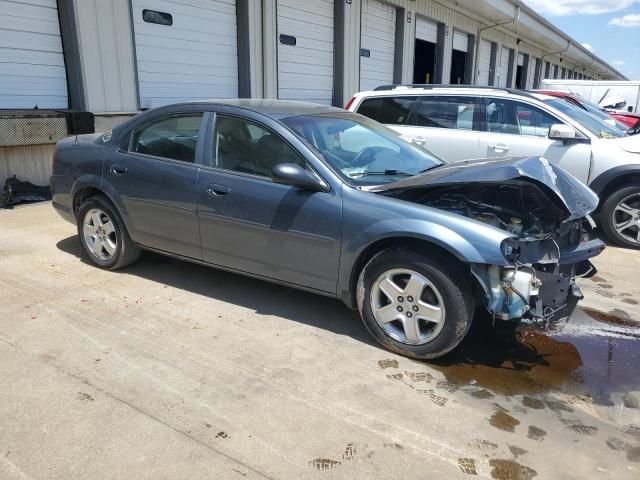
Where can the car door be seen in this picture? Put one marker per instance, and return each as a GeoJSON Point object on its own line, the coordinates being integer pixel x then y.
{"type": "Point", "coordinates": [516, 128]}
{"type": "Point", "coordinates": [155, 175]}
{"type": "Point", "coordinates": [251, 224]}
{"type": "Point", "coordinates": [448, 125]}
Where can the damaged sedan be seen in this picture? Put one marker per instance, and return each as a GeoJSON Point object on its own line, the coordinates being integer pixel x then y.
{"type": "Point", "coordinates": [334, 203]}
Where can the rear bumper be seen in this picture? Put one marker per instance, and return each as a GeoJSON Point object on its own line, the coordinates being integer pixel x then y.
{"type": "Point", "coordinates": [61, 200]}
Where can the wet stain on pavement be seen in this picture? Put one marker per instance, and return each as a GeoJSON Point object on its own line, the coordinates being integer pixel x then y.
{"type": "Point", "coordinates": [616, 444]}
{"type": "Point", "coordinates": [468, 466]}
{"type": "Point", "coordinates": [536, 433]}
{"type": "Point", "coordinates": [534, 403]}
{"type": "Point", "coordinates": [633, 454]}
{"type": "Point", "coordinates": [510, 470]}
{"type": "Point", "coordinates": [324, 463]}
{"type": "Point", "coordinates": [616, 317]}
{"type": "Point", "coordinates": [388, 363]}
{"type": "Point", "coordinates": [481, 444]}
{"type": "Point", "coordinates": [483, 393]}
{"type": "Point", "coordinates": [503, 421]}
{"type": "Point", "coordinates": [517, 451]}
{"type": "Point", "coordinates": [525, 361]}
{"type": "Point", "coordinates": [85, 397]}
{"type": "Point", "coordinates": [585, 430]}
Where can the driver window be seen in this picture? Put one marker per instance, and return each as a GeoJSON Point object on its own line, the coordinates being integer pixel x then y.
{"type": "Point", "coordinates": [507, 116]}
{"type": "Point", "coordinates": [172, 137]}
{"type": "Point", "coordinates": [242, 146]}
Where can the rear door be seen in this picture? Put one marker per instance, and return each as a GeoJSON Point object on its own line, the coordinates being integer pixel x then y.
{"type": "Point", "coordinates": [516, 128]}
{"type": "Point", "coordinates": [251, 224]}
{"type": "Point", "coordinates": [155, 175]}
{"type": "Point", "coordinates": [447, 125]}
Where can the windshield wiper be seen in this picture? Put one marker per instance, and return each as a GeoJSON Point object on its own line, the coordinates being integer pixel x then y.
{"type": "Point", "coordinates": [385, 172]}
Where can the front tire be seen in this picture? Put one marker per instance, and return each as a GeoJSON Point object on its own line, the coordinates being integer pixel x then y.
{"type": "Point", "coordinates": [103, 235]}
{"type": "Point", "coordinates": [620, 217]}
{"type": "Point", "coordinates": [413, 304]}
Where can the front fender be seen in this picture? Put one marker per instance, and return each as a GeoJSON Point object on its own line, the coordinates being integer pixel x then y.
{"type": "Point", "coordinates": [472, 247]}
{"type": "Point", "coordinates": [482, 250]}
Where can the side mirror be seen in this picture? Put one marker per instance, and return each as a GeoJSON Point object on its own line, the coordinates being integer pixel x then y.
{"type": "Point", "coordinates": [295, 175]}
{"type": "Point", "coordinates": [560, 131]}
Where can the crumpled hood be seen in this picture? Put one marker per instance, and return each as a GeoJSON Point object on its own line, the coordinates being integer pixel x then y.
{"type": "Point", "coordinates": [575, 198]}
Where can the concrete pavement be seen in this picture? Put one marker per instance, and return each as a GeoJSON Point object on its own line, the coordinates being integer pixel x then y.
{"type": "Point", "coordinates": [173, 370]}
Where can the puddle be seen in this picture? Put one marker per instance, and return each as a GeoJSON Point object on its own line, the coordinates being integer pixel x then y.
{"type": "Point", "coordinates": [526, 361]}
{"type": "Point", "coordinates": [617, 317]}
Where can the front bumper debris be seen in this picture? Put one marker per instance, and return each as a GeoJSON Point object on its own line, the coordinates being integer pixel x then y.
{"type": "Point", "coordinates": [542, 293]}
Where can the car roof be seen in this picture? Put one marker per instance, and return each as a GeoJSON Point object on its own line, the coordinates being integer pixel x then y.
{"type": "Point", "coordinates": [276, 109]}
{"type": "Point", "coordinates": [436, 89]}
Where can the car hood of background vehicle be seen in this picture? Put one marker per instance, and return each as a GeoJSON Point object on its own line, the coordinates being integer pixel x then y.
{"type": "Point", "coordinates": [630, 144]}
{"type": "Point", "coordinates": [575, 198]}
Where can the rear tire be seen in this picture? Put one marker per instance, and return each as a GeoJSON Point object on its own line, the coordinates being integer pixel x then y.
{"type": "Point", "coordinates": [620, 217]}
{"type": "Point", "coordinates": [103, 235]}
{"type": "Point", "coordinates": [413, 304]}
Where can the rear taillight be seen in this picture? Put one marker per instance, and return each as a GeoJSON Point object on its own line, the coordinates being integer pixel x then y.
{"type": "Point", "coordinates": [349, 103]}
{"type": "Point", "coordinates": [54, 159]}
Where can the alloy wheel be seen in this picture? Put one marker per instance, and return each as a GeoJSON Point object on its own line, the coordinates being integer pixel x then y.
{"type": "Point", "coordinates": [100, 234]}
{"type": "Point", "coordinates": [626, 218]}
{"type": "Point", "coordinates": [407, 306]}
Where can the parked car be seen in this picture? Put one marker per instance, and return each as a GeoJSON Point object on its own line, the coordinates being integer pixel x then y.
{"type": "Point", "coordinates": [332, 202]}
{"type": "Point", "coordinates": [631, 120]}
{"type": "Point", "coordinates": [459, 123]}
{"type": "Point", "coordinates": [624, 121]}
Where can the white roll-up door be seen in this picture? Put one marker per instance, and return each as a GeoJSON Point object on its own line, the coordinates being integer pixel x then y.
{"type": "Point", "coordinates": [426, 30]}
{"type": "Point", "coordinates": [377, 44]}
{"type": "Point", "coordinates": [460, 41]}
{"type": "Point", "coordinates": [504, 67]}
{"type": "Point", "coordinates": [305, 50]}
{"type": "Point", "coordinates": [484, 62]}
{"type": "Point", "coordinates": [32, 71]}
{"type": "Point", "coordinates": [185, 50]}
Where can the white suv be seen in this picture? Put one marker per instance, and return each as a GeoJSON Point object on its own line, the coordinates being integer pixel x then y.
{"type": "Point", "coordinates": [464, 122]}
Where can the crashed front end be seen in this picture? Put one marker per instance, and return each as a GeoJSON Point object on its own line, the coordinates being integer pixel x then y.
{"type": "Point", "coordinates": [546, 212]}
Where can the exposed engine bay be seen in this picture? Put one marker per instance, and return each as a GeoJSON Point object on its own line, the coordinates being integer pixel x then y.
{"type": "Point", "coordinates": [549, 244]}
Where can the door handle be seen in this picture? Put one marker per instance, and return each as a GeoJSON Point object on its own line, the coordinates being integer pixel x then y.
{"type": "Point", "coordinates": [214, 190]}
{"type": "Point", "coordinates": [499, 148]}
{"type": "Point", "coordinates": [118, 169]}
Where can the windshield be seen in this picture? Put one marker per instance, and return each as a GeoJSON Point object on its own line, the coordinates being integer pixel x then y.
{"type": "Point", "coordinates": [592, 123]}
{"type": "Point", "coordinates": [595, 110]}
{"type": "Point", "coordinates": [362, 150]}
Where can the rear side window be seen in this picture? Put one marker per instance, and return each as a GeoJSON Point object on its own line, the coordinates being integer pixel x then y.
{"type": "Point", "coordinates": [461, 113]}
{"type": "Point", "coordinates": [388, 110]}
{"type": "Point", "coordinates": [173, 137]}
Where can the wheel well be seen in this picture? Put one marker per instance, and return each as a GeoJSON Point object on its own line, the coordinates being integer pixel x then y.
{"type": "Point", "coordinates": [81, 195]}
{"type": "Point", "coordinates": [617, 183]}
{"type": "Point", "coordinates": [402, 242]}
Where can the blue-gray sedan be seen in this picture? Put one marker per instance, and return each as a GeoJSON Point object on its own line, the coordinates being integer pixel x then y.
{"type": "Point", "coordinates": [329, 201]}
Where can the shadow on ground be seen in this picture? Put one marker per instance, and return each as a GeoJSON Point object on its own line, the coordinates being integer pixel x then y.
{"type": "Point", "coordinates": [500, 358]}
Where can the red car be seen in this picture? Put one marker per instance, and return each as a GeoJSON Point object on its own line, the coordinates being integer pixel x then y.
{"type": "Point", "coordinates": [628, 120]}
{"type": "Point", "coordinates": [631, 120]}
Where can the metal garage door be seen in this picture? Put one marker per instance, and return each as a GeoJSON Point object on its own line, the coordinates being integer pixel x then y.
{"type": "Point", "coordinates": [460, 41]}
{"type": "Point", "coordinates": [504, 67]}
{"type": "Point", "coordinates": [32, 68]}
{"type": "Point", "coordinates": [484, 62]}
{"type": "Point", "coordinates": [426, 30]}
{"type": "Point", "coordinates": [305, 50]}
{"type": "Point", "coordinates": [377, 44]}
{"type": "Point", "coordinates": [185, 50]}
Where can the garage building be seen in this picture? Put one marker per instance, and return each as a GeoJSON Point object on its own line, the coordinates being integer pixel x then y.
{"type": "Point", "coordinates": [74, 66]}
